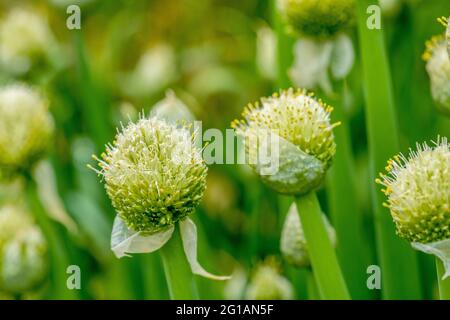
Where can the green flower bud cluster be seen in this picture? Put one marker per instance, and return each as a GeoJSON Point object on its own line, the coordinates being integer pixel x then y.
{"type": "Point", "coordinates": [418, 191]}
{"type": "Point", "coordinates": [26, 128]}
{"type": "Point", "coordinates": [318, 18]}
{"type": "Point", "coordinates": [23, 251]}
{"type": "Point", "coordinates": [268, 284]}
{"type": "Point", "coordinates": [153, 174]}
{"type": "Point", "coordinates": [293, 244]}
{"type": "Point", "coordinates": [438, 68]}
{"type": "Point", "coordinates": [307, 146]}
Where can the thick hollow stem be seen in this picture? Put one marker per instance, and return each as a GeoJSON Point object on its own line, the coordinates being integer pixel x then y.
{"type": "Point", "coordinates": [399, 263]}
{"type": "Point", "coordinates": [444, 285]}
{"type": "Point", "coordinates": [328, 275]}
{"type": "Point", "coordinates": [179, 277]}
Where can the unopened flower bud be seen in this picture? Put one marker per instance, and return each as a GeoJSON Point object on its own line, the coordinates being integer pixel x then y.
{"type": "Point", "coordinates": [293, 244]}
{"type": "Point", "coordinates": [26, 128]}
{"type": "Point", "coordinates": [305, 147]}
{"type": "Point", "coordinates": [318, 18]}
{"type": "Point", "coordinates": [23, 251]}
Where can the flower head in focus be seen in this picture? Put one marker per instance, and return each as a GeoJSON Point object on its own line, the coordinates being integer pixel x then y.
{"type": "Point", "coordinates": [418, 191]}
{"type": "Point", "coordinates": [318, 18]}
{"type": "Point", "coordinates": [23, 251]}
{"type": "Point", "coordinates": [306, 146]}
{"type": "Point", "coordinates": [438, 68]}
{"type": "Point", "coordinates": [153, 174]}
{"type": "Point", "coordinates": [26, 128]}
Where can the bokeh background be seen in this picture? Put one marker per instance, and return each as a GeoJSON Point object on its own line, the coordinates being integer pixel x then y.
{"type": "Point", "coordinates": [216, 56]}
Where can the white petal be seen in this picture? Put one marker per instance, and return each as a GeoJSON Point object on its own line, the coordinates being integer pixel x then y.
{"type": "Point", "coordinates": [440, 249]}
{"type": "Point", "coordinates": [343, 57]}
{"type": "Point", "coordinates": [124, 240]}
{"type": "Point", "coordinates": [311, 61]}
{"type": "Point", "coordinates": [188, 232]}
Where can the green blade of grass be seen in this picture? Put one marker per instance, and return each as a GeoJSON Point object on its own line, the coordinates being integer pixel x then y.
{"type": "Point", "coordinates": [346, 218]}
{"type": "Point", "coordinates": [59, 258]}
{"type": "Point", "coordinates": [400, 278]}
{"type": "Point", "coordinates": [94, 110]}
{"type": "Point", "coordinates": [328, 275]}
{"type": "Point", "coordinates": [179, 277]}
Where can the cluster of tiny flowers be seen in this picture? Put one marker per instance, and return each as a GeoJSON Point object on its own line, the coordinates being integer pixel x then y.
{"type": "Point", "coordinates": [293, 243]}
{"type": "Point", "coordinates": [418, 191]}
{"type": "Point", "coordinates": [23, 33]}
{"type": "Point", "coordinates": [153, 174]}
{"type": "Point", "coordinates": [318, 18]}
{"type": "Point", "coordinates": [268, 284]}
{"type": "Point", "coordinates": [23, 251]}
{"type": "Point", "coordinates": [296, 116]}
{"type": "Point", "coordinates": [438, 68]}
{"type": "Point", "coordinates": [26, 121]}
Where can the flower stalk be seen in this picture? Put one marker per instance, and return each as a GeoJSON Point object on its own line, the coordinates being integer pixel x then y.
{"type": "Point", "coordinates": [328, 275]}
{"type": "Point", "coordinates": [399, 264]}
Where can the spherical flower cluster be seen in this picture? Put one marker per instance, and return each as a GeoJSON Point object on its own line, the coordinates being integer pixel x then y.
{"type": "Point", "coordinates": [268, 284]}
{"type": "Point", "coordinates": [153, 174]}
{"type": "Point", "coordinates": [26, 128]}
{"type": "Point", "coordinates": [23, 36]}
{"type": "Point", "coordinates": [418, 191]}
{"type": "Point", "coordinates": [307, 142]}
{"type": "Point", "coordinates": [293, 244]}
{"type": "Point", "coordinates": [318, 18]}
{"type": "Point", "coordinates": [438, 68]}
{"type": "Point", "coordinates": [23, 251]}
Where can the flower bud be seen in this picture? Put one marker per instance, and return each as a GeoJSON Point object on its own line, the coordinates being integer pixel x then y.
{"type": "Point", "coordinates": [268, 284]}
{"type": "Point", "coordinates": [305, 147]}
{"type": "Point", "coordinates": [153, 174]}
{"type": "Point", "coordinates": [318, 18]}
{"type": "Point", "coordinates": [23, 251]}
{"type": "Point", "coordinates": [418, 191]}
{"type": "Point", "coordinates": [26, 127]}
{"type": "Point", "coordinates": [293, 243]}
{"type": "Point", "coordinates": [438, 68]}
{"type": "Point", "coordinates": [24, 35]}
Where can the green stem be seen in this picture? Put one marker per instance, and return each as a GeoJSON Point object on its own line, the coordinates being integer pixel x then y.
{"type": "Point", "coordinates": [179, 277]}
{"type": "Point", "coordinates": [328, 275]}
{"type": "Point", "coordinates": [94, 110]}
{"type": "Point", "coordinates": [399, 263]}
{"type": "Point", "coordinates": [313, 292]}
{"type": "Point", "coordinates": [444, 285]}
{"type": "Point", "coordinates": [284, 49]}
{"type": "Point", "coordinates": [346, 218]}
{"type": "Point", "coordinates": [59, 258]}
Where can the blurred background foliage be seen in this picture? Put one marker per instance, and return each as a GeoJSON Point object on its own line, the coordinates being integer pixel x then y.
{"type": "Point", "coordinates": [216, 56]}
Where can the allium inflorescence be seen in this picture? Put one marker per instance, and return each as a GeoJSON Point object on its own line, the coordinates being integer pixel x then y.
{"type": "Point", "coordinates": [268, 284]}
{"type": "Point", "coordinates": [418, 191]}
{"type": "Point", "coordinates": [445, 22]}
{"type": "Point", "coordinates": [23, 251]}
{"type": "Point", "coordinates": [24, 34]}
{"type": "Point", "coordinates": [26, 128]}
{"type": "Point", "coordinates": [438, 68]}
{"type": "Point", "coordinates": [293, 244]}
{"type": "Point", "coordinates": [153, 174]}
{"type": "Point", "coordinates": [307, 146]}
{"type": "Point", "coordinates": [318, 18]}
